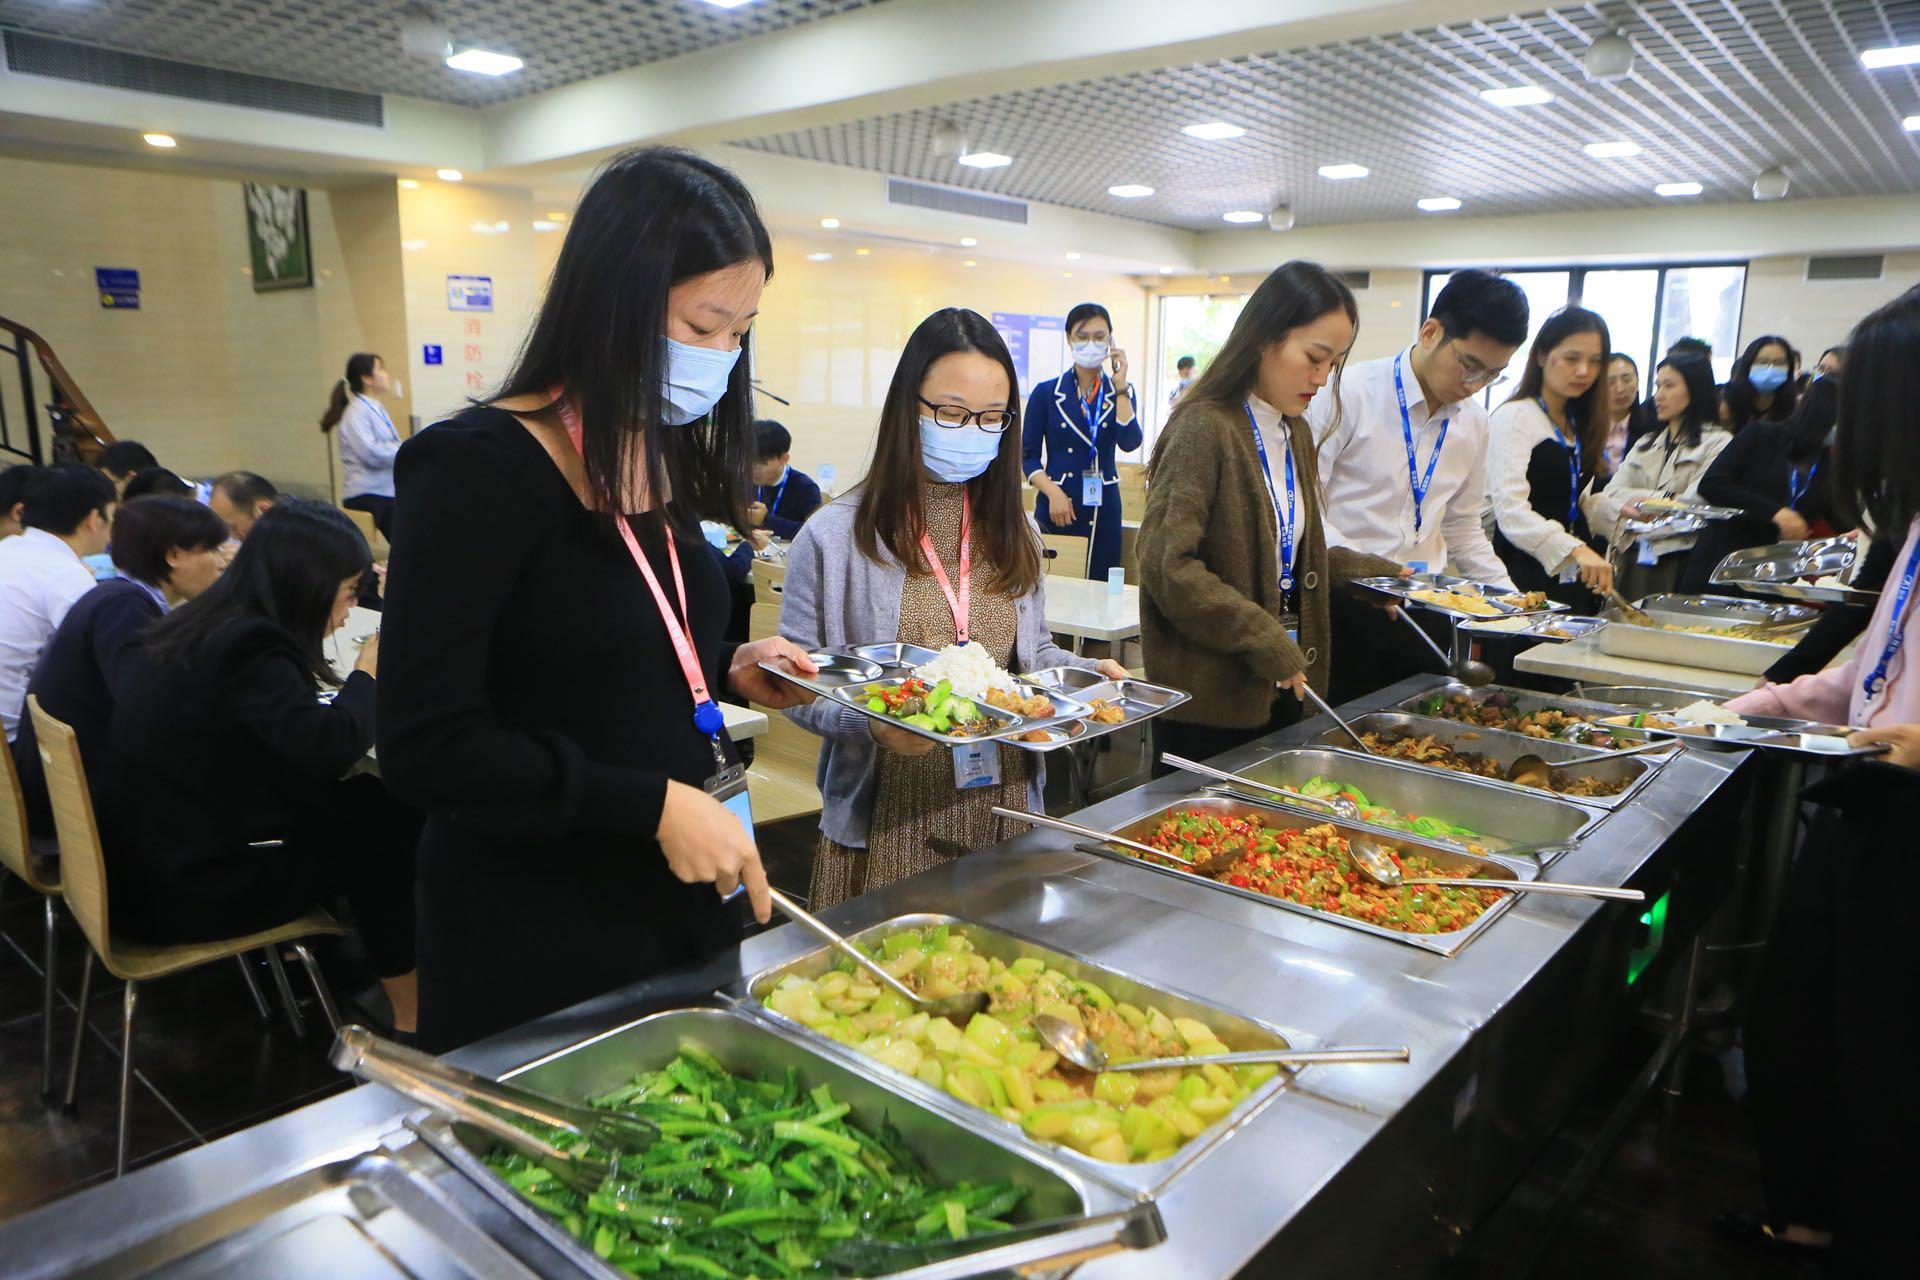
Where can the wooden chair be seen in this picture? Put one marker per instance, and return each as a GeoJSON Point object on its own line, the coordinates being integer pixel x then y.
{"type": "Point", "coordinates": [84, 873]}
{"type": "Point", "coordinates": [371, 532]}
{"type": "Point", "coordinates": [784, 758]}
{"type": "Point", "coordinates": [1066, 554]}
{"type": "Point", "coordinates": [768, 577]}
{"type": "Point", "coordinates": [38, 863]}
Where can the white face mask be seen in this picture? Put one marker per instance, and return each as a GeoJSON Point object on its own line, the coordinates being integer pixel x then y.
{"type": "Point", "coordinates": [1089, 355]}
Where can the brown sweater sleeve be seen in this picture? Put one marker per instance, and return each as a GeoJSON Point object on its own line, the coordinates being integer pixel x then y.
{"type": "Point", "coordinates": [1345, 564]}
{"type": "Point", "coordinates": [1208, 612]}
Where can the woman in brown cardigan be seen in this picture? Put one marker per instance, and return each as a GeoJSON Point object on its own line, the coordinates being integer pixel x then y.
{"type": "Point", "coordinates": [1234, 566]}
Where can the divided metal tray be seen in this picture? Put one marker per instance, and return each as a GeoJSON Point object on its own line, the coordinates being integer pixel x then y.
{"type": "Point", "coordinates": [1137, 700]}
{"type": "Point", "coordinates": [953, 1147]}
{"type": "Point", "coordinates": [1554, 628]}
{"type": "Point", "coordinates": [1402, 589]}
{"type": "Point", "coordinates": [1235, 1031]}
{"type": "Point", "coordinates": [1691, 649]}
{"type": "Point", "coordinates": [1777, 733]}
{"type": "Point", "coordinates": [1283, 819]}
{"type": "Point", "coordinates": [1790, 569]}
{"type": "Point", "coordinates": [1503, 749]}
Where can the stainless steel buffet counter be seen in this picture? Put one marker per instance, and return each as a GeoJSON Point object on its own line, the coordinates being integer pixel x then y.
{"type": "Point", "coordinates": [1504, 1035]}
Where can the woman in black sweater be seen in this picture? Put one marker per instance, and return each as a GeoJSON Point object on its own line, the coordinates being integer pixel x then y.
{"type": "Point", "coordinates": [536, 704]}
{"type": "Point", "coordinates": [1776, 474]}
{"type": "Point", "coordinates": [231, 812]}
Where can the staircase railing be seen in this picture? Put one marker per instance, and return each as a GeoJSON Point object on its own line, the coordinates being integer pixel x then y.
{"type": "Point", "coordinates": [73, 430]}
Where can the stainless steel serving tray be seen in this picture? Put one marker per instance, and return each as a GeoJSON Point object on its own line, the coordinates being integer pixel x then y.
{"type": "Point", "coordinates": [1690, 649]}
{"type": "Point", "coordinates": [952, 1149]}
{"type": "Point", "coordinates": [1554, 628]}
{"type": "Point", "coordinates": [1643, 697]}
{"type": "Point", "coordinates": [1279, 819]}
{"type": "Point", "coordinates": [1011, 725]}
{"type": "Point", "coordinates": [1503, 815]}
{"type": "Point", "coordinates": [1778, 733]}
{"type": "Point", "coordinates": [1526, 701]}
{"type": "Point", "coordinates": [1684, 507]}
{"type": "Point", "coordinates": [1235, 1031]}
{"type": "Point", "coordinates": [1402, 589]}
{"type": "Point", "coordinates": [1787, 569]}
{"type": "Point", "coordinates": [1503, 749]}
{"type": "Point", "coordinates": [1137, 699]}
{"type": "Point", "coordinates": [836, 670]}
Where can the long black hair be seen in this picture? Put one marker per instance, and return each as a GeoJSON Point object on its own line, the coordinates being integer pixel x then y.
{"type": "Point", "coordinates": [889, 516]}
{"type": "Point", "coordinates": [359, 369]}
{"type": "Point", "coordinates": [652, 219]}
{"type": "Point", "coordinates": [1739, 392]}
{"type": "Point", "coordinates": [1703, 397]}
{"type": "Point", "coordinates": [1587, 414]}
{"type": "Point", "coordinates": [1877, 450]}
{"type": "Point", "coordinates": [1813, 418]}
{"type": "Point", "coordinates": [1294, 294]}
{"type": "Point", "coordinates": [289, 571]}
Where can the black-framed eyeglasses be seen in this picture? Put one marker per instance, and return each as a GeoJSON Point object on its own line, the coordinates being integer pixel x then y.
{"type": "Point", "coordinates": [954, 415]}
{"type": "Point", "coordinates": [1474, 374]}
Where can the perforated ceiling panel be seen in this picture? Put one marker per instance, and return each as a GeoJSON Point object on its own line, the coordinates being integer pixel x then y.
{"type": "Point", "coordinates": [355, 44]}
{"type": "Point", "coordinates": [1721, 90]}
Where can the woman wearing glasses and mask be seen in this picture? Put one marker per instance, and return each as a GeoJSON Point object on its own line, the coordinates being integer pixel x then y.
{"type": "Point", "coordinates": [932, 549]}
{"type": "Point", "coordinates": [1075, 424]}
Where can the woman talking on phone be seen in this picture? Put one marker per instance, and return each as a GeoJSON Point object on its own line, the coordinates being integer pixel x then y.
{"type": "Point", "coordinates": [1075, 425]}
{"type": "Point", "coordinates": [550, 680]}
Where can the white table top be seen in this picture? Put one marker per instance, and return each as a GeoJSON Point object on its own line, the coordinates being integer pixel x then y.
{"type": "Point", "coordinates": [1082, 607]}
{"type": "Point", "coordinates": [1582, 660]}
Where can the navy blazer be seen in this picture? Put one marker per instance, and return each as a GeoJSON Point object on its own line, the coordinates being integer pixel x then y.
{"type": "Point", "coordinates": [789, 505]}
{"type": "Point", "coordinates": [1054, 435]}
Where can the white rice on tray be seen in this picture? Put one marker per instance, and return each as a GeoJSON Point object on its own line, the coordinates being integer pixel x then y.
{"type": "Point", "coordinates": [1704, 712]}
{"type": "Point", "coordinates": [968, 668]}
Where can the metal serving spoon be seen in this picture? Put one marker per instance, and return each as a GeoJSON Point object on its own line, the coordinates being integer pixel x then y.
{"type": "Point", "coordinates": [961, 1006]}
{"type": "Point", "coordinates": [1326, 710]}
{"type": "Point", "coordinates": [1377, 865]}
{"type": "Point", "coordinates": [1531, 766]}
{"type": "Point", "coordinates": [1073, 1044]}
{"type": "Point", "coordinates": [1090, 833]}
{"type": "Point", "coordinates": [1339, 806]}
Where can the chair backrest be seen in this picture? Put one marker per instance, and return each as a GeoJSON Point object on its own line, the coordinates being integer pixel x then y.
{"type": "Point", "coordinates": [1066, 554]}
{"type": "Point", "coordinates": [768, 579]}
{"type": "Point", "coordinates": [763, 622]}
{"type": "Point", "coordinates": [83, 864]}
{"type": "Point", "coordinates": [14, 839]}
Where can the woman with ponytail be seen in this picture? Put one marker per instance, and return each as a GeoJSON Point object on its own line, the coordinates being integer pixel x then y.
{"type": "Point", "coordinates": [368, 439]}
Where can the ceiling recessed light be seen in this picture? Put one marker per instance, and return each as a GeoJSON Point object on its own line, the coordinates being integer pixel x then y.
{"type": "Point", "coordinates": [1519, 95]}
{"type": "Point", "coordinates": [1130, 191]}
{"type": "Point", "coordinates": [1166, 271]}
{"type": "Point", "coordinates": [558, 215]}
{"type": "Point", "coordinates": [861, 253]}
{"type": "Point", "coordinates": [985, 160]}
{"type": "Point", "coordinates": [545, 224]}
{"type": "Point", "coordinates": [829, 223]}
{"type": "Point", "coordinates": [449, 175]}
{"type": "Point", "coordinates": [969, 263]}
{"type": "Point", "coordinates": [1673, 189]}
{"type": "Point", "coordinates": [491, 228]}
{"type": "Point", "coordinates": [409, 184]}
{"type": "Point", "coordinates": [1612, 150]}
{"type": "Point", "coordinates": [164, 141]}
{"type": "Point", "coordinates": [1213, 131]}
{"type": "Point", "coordinates": [413, 246]}
{"type": "Point", "coordinates": [1899, 55]}
{"type": "Point", "coordinates": [728, 4]}
{"type": "Point", "coordinates": [1342, 172]}
{"type": "Point", "coordinates": [967, 242]}
{"type": "Point", "coordinates": [1066, 275]}
{"type": "Point", "coordinates": [1437, 204]}
{"type": "Point", "coordinates": [819, 257]}
{"type": "Point", "coordinates": [1242, 215]}
{"type": "Point", "coordinates": [485, 62]}
{"type": "Point", "coordinates": [1073, 255]}
{"type": "Point", "coordinates": [1911, 124]}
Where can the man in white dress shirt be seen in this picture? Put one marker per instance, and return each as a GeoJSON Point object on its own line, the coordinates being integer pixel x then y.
{"type": "Point", "coordinates": [67, 514]}
{"type": "Point", "coordinates": [1403, 459]}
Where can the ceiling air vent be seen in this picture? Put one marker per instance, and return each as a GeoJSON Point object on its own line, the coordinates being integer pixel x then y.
{"type": "Point", "coordinates": [1355, 280]}
{"type": "Point", "coordinates": [1846, 266]}
{"type": "Point", "coordinates": [971, 204]}
{"type": "Point", "coordinates": [33, 55]}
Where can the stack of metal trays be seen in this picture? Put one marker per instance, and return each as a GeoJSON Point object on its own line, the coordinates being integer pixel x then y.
{"type": "Point", "coordinates": [1607, 783]}
{"type": "Point", "coordinates": [1722, 649]}
{"type": "Point", "coordinates": [1821, 570]}
{"type": "Point", "coordinates": [1554, 628]}
{"type": "Point", "coordinates": [1493, 601]}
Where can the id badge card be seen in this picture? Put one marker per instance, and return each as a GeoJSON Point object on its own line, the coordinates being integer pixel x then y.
{"type": "Point", "coordinates": [975, 765]}
{"type": "Point", "coordinates": [729, 787]}
{"type": "Point", "coordinates": [1646, 552]}
{"type": "Point", "coordinates": [1091, 489]}
{"type": "Point", "coordinates": [1291, 621]}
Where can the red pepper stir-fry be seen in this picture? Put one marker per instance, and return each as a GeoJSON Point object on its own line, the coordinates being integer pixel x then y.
{"type": "Point", "coordinates": [1312, 867]}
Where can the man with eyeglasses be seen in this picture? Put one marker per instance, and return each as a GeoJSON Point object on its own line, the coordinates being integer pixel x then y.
{"type": "Point", "coordinates": [1403, 459]}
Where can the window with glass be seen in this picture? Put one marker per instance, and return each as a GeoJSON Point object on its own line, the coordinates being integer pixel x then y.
{"type": "Point", "coordinates": [1194, 325]}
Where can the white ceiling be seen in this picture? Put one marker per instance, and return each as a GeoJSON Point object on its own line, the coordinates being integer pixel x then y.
{"type": "Point", "coordinates": [355, 44]}
{"type": "Point", "coordinates": [1722, 90]}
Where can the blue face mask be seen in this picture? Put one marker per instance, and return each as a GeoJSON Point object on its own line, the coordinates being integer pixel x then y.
{"type": "Point", "coordinates": [1767, 377]}
{"type": "Point", "coordinates": [957, 454]}
{"type": "Point", "coordinates": [695, 379]}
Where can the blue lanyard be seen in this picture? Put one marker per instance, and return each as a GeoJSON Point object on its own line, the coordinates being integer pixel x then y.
{"type": "Point", "coordinates": [1093, 410]}
{"type": "Point", "coordinates": [1419, 483]}
{"type": "Point", "coordinates": [1572, 446]}
{"type": "Point", "coordinates": [1896, 630]}
{"type": "Point", "coordinates": [384, 416]}
{"type": "Point", "coordinates": [1284, 520]}
{"type": "Point", "coordinates": [774, 506]}
{"type": "Point", "coordinates": [1797, 487]}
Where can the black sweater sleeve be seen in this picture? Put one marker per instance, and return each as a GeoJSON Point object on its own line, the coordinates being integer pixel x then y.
{"type": "Point", "coordinates": [265, 688]}
{"type": "Point", "coordinates": [1736, 478]}
{"type": "Point", "coordinates": [465, 528]}
{"type": "Point", "coordinates": [1836, 627]}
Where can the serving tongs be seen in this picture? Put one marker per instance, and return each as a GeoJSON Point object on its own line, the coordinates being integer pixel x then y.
{"type": "Point", "coordinates": [1095, 835]}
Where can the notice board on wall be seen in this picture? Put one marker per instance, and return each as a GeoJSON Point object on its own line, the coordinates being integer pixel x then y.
{"type": "Point", "coordinates": [1038, 345]}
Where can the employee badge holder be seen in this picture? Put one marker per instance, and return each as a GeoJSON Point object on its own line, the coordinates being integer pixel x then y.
{"type": "Point", "coordinates": [1091, 489]}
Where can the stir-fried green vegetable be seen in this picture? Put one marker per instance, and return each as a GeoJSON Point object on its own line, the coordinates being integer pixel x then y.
{"type": "Point", "coordinates": [752, 1179]}
{"type": "Point", "coordinates": [1380, 815]}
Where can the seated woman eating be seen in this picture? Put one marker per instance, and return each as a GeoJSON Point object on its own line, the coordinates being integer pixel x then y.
{"type": "Point", "coordinates": [235, 811]}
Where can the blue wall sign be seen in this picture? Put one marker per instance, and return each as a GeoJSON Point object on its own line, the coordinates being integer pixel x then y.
{"type": "Point", "coordinates": [120, 300]}
{"type": "Point", "coordinates": [469, 293]}
{"type": "Point", "coordinates": [116, 279]}
{"type": "Point", "coordinates": [430, 353]}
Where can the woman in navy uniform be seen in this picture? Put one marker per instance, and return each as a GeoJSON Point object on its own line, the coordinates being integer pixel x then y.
{"type": "Point", "coordinates": [1071, 420]}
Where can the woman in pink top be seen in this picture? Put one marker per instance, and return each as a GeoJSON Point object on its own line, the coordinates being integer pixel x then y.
{"type": "Point", "coordinates": [1832, 1115]}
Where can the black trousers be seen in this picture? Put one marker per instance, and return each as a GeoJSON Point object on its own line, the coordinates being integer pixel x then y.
{"type": "Point", "coordinates": [1202, 742]}
{"type": "Point", "coordinates": [1371, 650]}
{"type": "Point", "coordinates": [361, 850]}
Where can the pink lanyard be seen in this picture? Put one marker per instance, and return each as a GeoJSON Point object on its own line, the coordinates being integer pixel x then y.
{"type": "Point", "coordinates": [706, 716]}
{"type": "Point", "coordinates": [961, 604]}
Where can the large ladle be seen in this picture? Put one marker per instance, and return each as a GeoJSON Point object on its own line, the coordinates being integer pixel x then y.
{"type": "Point", "coordinates": [1467, 670]}
{"type": "Point", "coordinates": [961, 1006]}
{"type": "Point", "coordinates": [1076, 1046]}
{"type": "Point", "coordinates": [1527, 767]}
{"type": "Point", "coordinates": [1377, 864]}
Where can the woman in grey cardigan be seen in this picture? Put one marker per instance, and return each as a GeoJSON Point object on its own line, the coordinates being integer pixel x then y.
{"type": "Point", "coordinates": [888, 562]}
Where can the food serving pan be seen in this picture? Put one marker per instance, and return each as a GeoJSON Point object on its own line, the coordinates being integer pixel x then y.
{"type": "Point", "coordinates": [1402, 589]}
{"type": "Point", "coordinates": [1137, 700]}
{"type": "Point", "coordinates": [1526, 701]}
{"type": "Point", "coordinates": [1791, 570]}
{"type": "Point", "coordinates": [1277, 818]}
{"type": "Point", "coordinates": [1502, 816]}
{"type": "Point", "coordinates": [1554, 628]}
{"type": "Point", "coordinates": [1660, 643]}
{"type": "Point", "coordinates": [951, 1149]}
{"type": "Point", "coordinates": [1503, 749]}
{"type": "Point", "coordinates": [1643, 697]}
{"type": "Point", "coordinates": [1235, 1031]}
